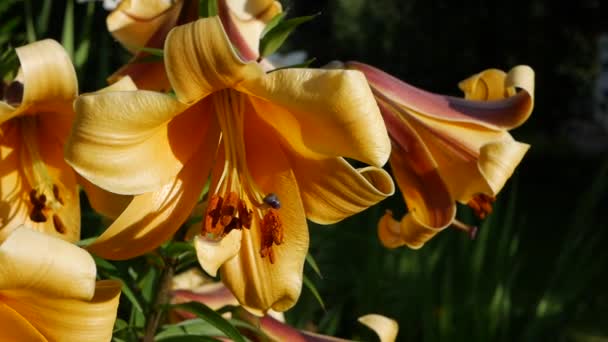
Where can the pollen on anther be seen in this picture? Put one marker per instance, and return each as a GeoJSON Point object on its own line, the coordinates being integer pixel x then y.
{"type": "Point", "coordinates": [272, 233]}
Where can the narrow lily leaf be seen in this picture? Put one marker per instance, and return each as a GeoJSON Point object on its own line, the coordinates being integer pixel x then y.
{"type": "Point", "coordinates": [304, 64]}
{"type": "Point", "coordinates": [67, 38]}
{"type": "Point", "coordinates": [82, 52]}
{"type": "Point", "coordinates": [313, 264]}
{"type": "Point", "coordinates": [212, 8]}
{"type": "Point", "coordinates": [104, 264]}
{"type": "Point", "coordinates": [310, 286]}
{"type": "Point", "coordinates": [246, 325]}
{"type": "Point", "coordinates": [207, 8]}
{"type": "Point", "coordinates": [43, 18]}
{"type": "Point", "coordinates": [176, 249]}
{"type": "Point", "coordinates": [152, 51]}
{"type": "Point", "coordinates": [29, 22]}
{"type": "Point", "coordinates": [86, 242]}
{"type": "Point", "coordinates": [120, 325]}
{"type": "Point", "coordinates": [273, 23]}
{"type": "Point", "coordinates": [195, 326]}
{"type": "Point", "coordinates": [126, 290]}
{"type": "Point", "coordinates": [274, 38]}
{"type": "Point", "coordinates": [188, 338]}
{"type": "Point", "coordinates": [149, 59]}
{"type": "Point", "coordinates": [205, 313]}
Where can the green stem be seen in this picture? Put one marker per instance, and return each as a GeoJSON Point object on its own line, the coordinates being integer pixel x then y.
{"type": "Point", "coordinates": [162, 298]}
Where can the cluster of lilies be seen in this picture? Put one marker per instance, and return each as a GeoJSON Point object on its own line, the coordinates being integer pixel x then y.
{"type": "Point", "coordinates": [270, 144]}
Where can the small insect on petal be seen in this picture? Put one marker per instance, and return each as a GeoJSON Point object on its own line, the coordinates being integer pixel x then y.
{"type": "Point", "coordinates": [272, 200]}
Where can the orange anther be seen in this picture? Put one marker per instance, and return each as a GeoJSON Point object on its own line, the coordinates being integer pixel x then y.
{"type": "Point", "coordinates": [212, 216]}
{"type": "Point", "coordinates": [245, 214]}
{"type": "Point", "coordinates": [229, 208]}
{"type": "Point", "coordinates": [481, 205]}
{"type": "Point", "coordinates": [272, 233]}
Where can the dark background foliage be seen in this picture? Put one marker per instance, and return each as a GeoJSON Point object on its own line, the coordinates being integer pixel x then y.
{"type": "Point", "coordinates": [538, 268]}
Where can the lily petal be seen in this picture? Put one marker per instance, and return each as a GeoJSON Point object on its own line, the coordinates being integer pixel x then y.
{"type": "Point", "coordinates": [57, 269]}
{"type": "Point", "coordinates": [486, 86]}
{"type": "Point", "coordinates": [14, 187]}
{"type": "Point", "coordinates": [332, 189]}
{"type": "Point", "coordinates": [296, 104]}
{"type": "Point", "coordinates": [68, 319]}
{"type": "Point", "coordinates": [104, 202]}
{"type": "Point", "coordinates": [255, 282]}
{"type": "Point", "coordinates": [200, 60]}
{"type": "Point", "coordinates": [119, 139]}
{"type": "Point", "coordinates": [134, 22]}
{"type": "Point", "coordinates": [151, 218]}
{"type": "Point", "coordinates": [48, 76]}
{"type": "Point", "coordinates": [50, 144]}
{"type": "Point", "coordinates": [244, 21]}
{"type": "Point", "coordinates": [500, 114]}
{"type": "Point", "coordinates": [14, 327]}
{"type": "Point", "coordinates": [428, 198]}
{"type": "Point", "coordinates": [213, 254]}
{"type": "Point", "coordinates": [383, 326]}
{"type": "Point", "coordinates": [471, 159]}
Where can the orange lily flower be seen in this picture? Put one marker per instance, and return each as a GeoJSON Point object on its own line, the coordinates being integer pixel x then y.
{"type": "Point", "coordinates": [51, 294]}
{"type": "Point", "coordinates": [447, 149]}
{"type": "Point", "coordinates": [37, 187]}
{"type": "Point", "coordinates": [145, 23]}
{"type": "Point", "coordinates": [273, 144]}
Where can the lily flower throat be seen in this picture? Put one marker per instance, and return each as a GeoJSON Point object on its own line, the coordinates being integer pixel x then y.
{"type": "Point", "coordinates": [237, 202]}
{"type": "Point", "coordinates": [45, 199]}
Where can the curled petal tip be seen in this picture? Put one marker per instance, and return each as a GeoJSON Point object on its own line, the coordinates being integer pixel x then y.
{"type": "Point", "coordinates": [386, 328]}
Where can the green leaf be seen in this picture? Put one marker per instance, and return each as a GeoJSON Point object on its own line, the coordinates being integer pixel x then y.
{"type": "Point", "coordinates": [43, 18]}
{"type": "Point", "coordinates": [195, 326]}
{"type": "Point", "coordinates": [273, 23]}
{"type": "Point", "coordinates": [126, 290]}
{"type": "Point", "coordinates": [176, 249]}
{"type": "Point", "coordinates": [29, 22]}
{"type": "Point", "coordinates": [304, 64]}
{"type": "Point", "coordinates": [207, 8]}
{"type": "Point", "coordinates": [86, 242]}
{"type": "Point", "coordinates": [148, 59]}
{"type": "Point", "coordinates": [188, 338]}
{"type": "Point", "coordinates": [67, 37]}
{"type": "Point", "coordinates": [152, 51]}
{"type": "Point", "coordinates": [104, 264]}
{"type": "Point", "coordinates": [310, 286]}
{"type": "Point", "coordinates": [207, 314]}
{"type": "Point", "coordinates": [313, 264]}
{"type": "Point", "coordinates": [275, 37]}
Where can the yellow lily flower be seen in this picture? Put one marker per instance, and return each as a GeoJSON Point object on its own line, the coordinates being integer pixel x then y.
{"type": "Point", "coordinates": [244, 21]}
{"type": "Point", "coordinates": [51, 294]}
{"type": "Point", "coordinates": [272, 141]}
{"type": "Point", "coordinates": [447, 149]}
{"type": "Point", "coordinates": [145, 23]}
{"type": "Point", "coordinates": [37, 187]}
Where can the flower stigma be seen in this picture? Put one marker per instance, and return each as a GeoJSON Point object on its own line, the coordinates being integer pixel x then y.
{"type": "Point", "coordinates": [237, 201]}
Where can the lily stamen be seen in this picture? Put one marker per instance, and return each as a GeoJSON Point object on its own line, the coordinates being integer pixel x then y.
{"type": "Point", "coordinates": [463, 227]}
{"type": "Point", "coordinates": [45, 197]}
{"type": "Point", "coordinates": [228, 207]}
{"type": "Point", "coordinates": [481, 205]}
{"type": "Point", "coordinates": [272, 233]}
